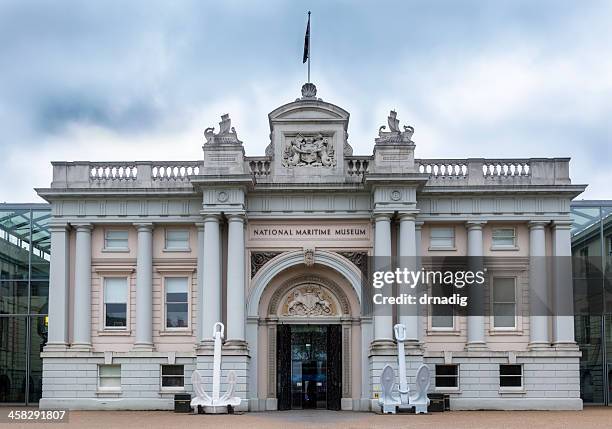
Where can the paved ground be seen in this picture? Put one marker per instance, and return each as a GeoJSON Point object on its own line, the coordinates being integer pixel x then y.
{"type": "Point", "coordinates": [590, 418]}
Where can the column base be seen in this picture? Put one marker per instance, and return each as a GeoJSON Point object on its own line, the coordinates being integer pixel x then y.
{"type": "Point", "coordinates": [143, 347]}
{"type": "Point", "coordinates": [476, 346]}
{"type": "Point", "coordinates": [81, 347]}
{"type": "Point", "coordinates": [383, 346]}
{"type": "Point", "coordinates": [237, 347]}
{"type": "Point", "coordinates": [55, 347]}
{"type": "Point", "coordinates": [566, 345]}
{"type": "Point", "coordinates": [205, 347]}
{"type": "Point", "coordinates": [539, 345]}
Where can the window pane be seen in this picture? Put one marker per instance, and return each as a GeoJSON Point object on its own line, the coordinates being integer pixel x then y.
{"type": "Point", "coordinates": [13, 355]}
{"type": "Point", "coordinates": [39, 298]}
{"type": "Point", "coordinates": [446, 369]}
{"type": "Point", "coordinates": [511, 381]}
{"type": "Point", "coordinates": [442, 232]}
{"type": "Point", "coordinates": [503, 290]}
{"type": "Point", "coordinates": [116, 315]}
{"type": "Point", "coordinates": [113, 382]}
{"type": "Point", "coordinates": [177, 239]}
{"type": "Point", "coordinates": [504, 315]}
{"type": "Point", "coordinates": [115, 290]}
{"type": "Point", "coordinates": [172, 370]}
{"type": "Point", "coordinates": [173, 381]}
{"type": "Point", "coordinates": [176, 285]}
{"type": "Point", "coordinates": [176, 316]}
{"type": "Point", "coordinates": [116, 239]}
{"type": "Point", "coordinates": [510, 370]}
{"type": "Point", "coordinates": [38, 339]}
{"type": "Point", "coordinates": [110, 370]}
{"type": "Point", "coordinates": [13, 297]}
{"type": "Point", "coordinates": [503, 232]}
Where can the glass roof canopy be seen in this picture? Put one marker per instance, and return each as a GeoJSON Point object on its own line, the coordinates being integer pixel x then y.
{"type": "Point", "coordinates": [22, 224]}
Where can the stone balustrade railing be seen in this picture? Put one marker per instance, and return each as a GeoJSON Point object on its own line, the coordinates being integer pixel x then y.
{"type": "Point", "coordinates": [357, 165]}
{"type": "Point", "coordinates": [259, 166]}
{"type": "Point", "coordinates": [441, 172]}
{"type": "Point", "coordinates": [113, 171]}
{"type": "Point", "coordinates": [480, 171]}
{"type": "Point", "coordinates": [174, 170]}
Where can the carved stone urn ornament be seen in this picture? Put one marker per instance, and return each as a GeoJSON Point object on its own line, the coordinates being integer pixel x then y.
{"type": "Point", "coordinates": [312, 151]}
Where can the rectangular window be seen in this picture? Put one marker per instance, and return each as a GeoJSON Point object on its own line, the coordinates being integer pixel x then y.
{"type": "Point", "coordinates": [442, 237]}
{"type": "Point", "coordinates": [447, 376]}
{"type": "Point", "coordinates": [504, 238]}
{"type": "Point", "coordinates": [442, 315]}
{"type": "Point", "coordinates": [116, 239]}
{"type": "Point", "coordinates": [177, 239]}
{"type": "Point", "coordinates": [115, 302]}
{"type": "Point", "coordinates": [172, 376]}
{"type": "Point", "coordinates": [109, 376]}
{"type": "Point", "coordinates": [177, 302]}
{"type": "Point", "coordinates": [511, 375]}
{"type": "Point", "coordinates": [504, 302]}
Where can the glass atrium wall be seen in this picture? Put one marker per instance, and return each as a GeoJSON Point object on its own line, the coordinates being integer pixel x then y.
{"type": "Point", "coordinates": [592, 252]}
{"type": "Point", "coordinates": [24, 290]}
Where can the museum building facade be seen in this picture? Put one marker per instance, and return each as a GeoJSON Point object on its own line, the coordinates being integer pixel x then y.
{"type": "Point", "coordinates": [148, 256]}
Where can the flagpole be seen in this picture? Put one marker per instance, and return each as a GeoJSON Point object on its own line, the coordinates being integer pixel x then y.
{"type": "Point", "coordinates": [309, 48]}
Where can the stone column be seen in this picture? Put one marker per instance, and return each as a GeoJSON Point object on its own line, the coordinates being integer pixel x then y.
{"type": "Point", "coordinates": [408, 314]}
{"type": "Point", "coordinates": [58, 287]}
{"type": "Point", "coordinates": [211, 295]}
{"type": "Point", "coordinates": [538, 286]}
{"type": "Point", "coordinates": [383, 323]}
{"type": "Point", "coordinates": [563, 320]}
{"type": "Point", "coordinates": [144, 288]}
{"type": "Point", "coordinates": [418, 229]}
{"type": "Point", "coordinates": [82, 288]}
{"type": "Point", "coordinates": [200, 270]}
{"type": "Point", "coordinates": [475, 322]}
{"type": "Point", "coordinates": [235, 279]}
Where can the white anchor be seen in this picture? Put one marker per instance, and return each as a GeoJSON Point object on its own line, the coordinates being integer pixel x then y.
{"type": "Point", "coordinates": [215, 404]}
{"type": "Point", "coordinates": [388, 401]}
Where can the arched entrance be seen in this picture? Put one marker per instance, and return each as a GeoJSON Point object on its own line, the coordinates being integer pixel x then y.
{"type": "Point", "coordinates": [308, 333]}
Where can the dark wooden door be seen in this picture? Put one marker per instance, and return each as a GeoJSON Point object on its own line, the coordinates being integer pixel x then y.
{"type": "Point", "coordinates": [334, 366]}
{"type": "Point", "coordinates": [283, 366]}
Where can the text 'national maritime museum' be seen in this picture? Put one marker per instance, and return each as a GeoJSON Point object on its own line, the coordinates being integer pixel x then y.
{"type": "Point", "coordinates": [148, 256]}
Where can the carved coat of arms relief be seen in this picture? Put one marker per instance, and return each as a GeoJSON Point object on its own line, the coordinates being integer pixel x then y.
{"type": "Point", "coordinates": [313, 151]}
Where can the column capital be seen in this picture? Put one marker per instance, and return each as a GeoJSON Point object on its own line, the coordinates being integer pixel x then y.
{"type": "Point", "coordinates": [419, 224]}
{"type": "Point", "coordinates": [200, 226]}
{"type": "Point", "coordinates": [82, 227]}
{"type": "Point", "coordinates": [235, 217]}
{"type": "Point", "coordinates": [475, 224]}
{"type": "Point", "coordinates": [537, 224]}
{"type": "Point", "coordinates": [382, 216]}
{"type": "Point", "coordinates": [211, 217]}
{"type": "Point", "coordinates": [144, 227]}
{"type": "Point", "coordinates": [562, 224]}
{"type": "Point", "coordinates": [406, 216]}
{"type": "Point", "coordinates": [55, 226]}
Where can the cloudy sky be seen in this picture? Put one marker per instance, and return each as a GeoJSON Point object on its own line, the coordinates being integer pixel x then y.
{"type": "Point", "coordinates": [140, 80]}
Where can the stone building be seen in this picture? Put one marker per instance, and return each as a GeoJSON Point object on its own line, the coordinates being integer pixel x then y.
{"type": "Point", "coordinates": [147, 256]}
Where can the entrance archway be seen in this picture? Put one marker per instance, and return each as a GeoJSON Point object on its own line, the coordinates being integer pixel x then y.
{"type": "Point", "coordinates": [317, 298]}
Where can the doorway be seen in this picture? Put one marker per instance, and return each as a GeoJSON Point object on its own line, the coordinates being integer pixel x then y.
{"type": "Point", "coordinates": [309, 367]}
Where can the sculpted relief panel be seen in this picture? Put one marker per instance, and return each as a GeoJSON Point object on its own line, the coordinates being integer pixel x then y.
{"type": "Point", "coordinates": [313, 151]}
{"type": "Point", "coordinates": [310, 300]}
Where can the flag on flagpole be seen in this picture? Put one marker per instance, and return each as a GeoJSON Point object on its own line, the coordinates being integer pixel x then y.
{"type": "Point", "coordinates": [306, 55]}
